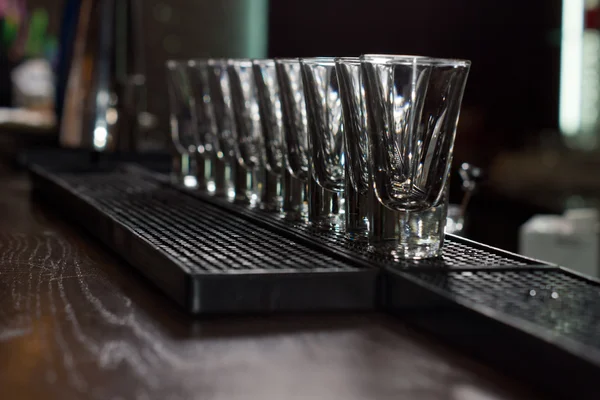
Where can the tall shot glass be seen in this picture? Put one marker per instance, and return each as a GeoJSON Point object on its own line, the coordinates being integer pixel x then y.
{"type": "Point", "coordinates": [356, 190]}
{"type": "Point", "coordinates": [198, 76]}
{"type": "Point", "coordinates": [365, 217]}
{"type": "Point", "coordinates": [325, 139]}
{"type": "Point", "coordinates": [301, 206]}
{"type": "Point", "coordinates": [247, 132]}
{"type": "Point", "coordinates": [269, 105]}
{"type": "Point", "coordinates": [183, 121]}
{"type": "Point", "coordinates": [413, 106]}
{"type": "Point", "coordinates": [224, 155]}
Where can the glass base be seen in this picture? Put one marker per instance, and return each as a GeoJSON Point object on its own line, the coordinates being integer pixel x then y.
{"type": "Point", "coordinates": [332, 222]}
{"type": "Point", "coordinates": [358, 236]}
{"type": "Point", "coordinates": [223, 192]}
{"type": "Point", "coordinates": [418, 235]}
{"type": "Point", "coordinates": [189, 181]}
{"type": "Point", "coordinates": [271, 206]}
{"type": "Point", "coordinates": [230, 194]}
{"type": "Point", "coordinates": [250, 199]}
{"type": "Point", "coordinates": [299, 214]}
{"type": "Point", "coordinates": [411, 250]}
{"type": "Point", "coordinates": [294, 194]}
{"type": "Point", "coordinates": [357, 227]}
{"type": "Point", "coordinates": [211, 187]}
{"type": "Point", "coordinates": [270, 192]}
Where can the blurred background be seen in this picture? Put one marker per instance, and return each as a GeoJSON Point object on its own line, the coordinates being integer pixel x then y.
{"type": "Point", "coordinates": [531, 112]}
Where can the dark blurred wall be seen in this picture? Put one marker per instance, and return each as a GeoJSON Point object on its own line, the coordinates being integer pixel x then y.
{"type": "Point", "coordinates": [512, 91]}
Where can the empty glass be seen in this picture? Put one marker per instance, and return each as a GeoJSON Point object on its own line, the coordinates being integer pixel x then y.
{"type": "Point", "coordinates": [356, 190]}
{"type": "Point", "coordinates": [293, 109]}
{"type": "Point", "coordinates": [295, 139]}
{"type": "Point", "coordinates": [183, 121]}
{"type": "Point", "coordinates": [269, 106]}
{"type": "Point", "coordinates": [412, 106]}
{"type": "Point", "coordinates": [198, 76]}
{"type": "Point", "coordinates": [365, 217]}
{"type": "Point", "coordinates": [224, 155]}
{"type": "Point", "coordinates": [247, 132]}
{"type": "Point", "coordinates": [325, 135]}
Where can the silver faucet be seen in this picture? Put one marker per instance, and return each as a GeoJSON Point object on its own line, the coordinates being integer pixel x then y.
{"type": "Point", "coordinates": [105, 94]}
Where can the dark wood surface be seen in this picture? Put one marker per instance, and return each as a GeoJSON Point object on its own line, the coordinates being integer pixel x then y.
{"type": "Point", "coordinates": [75, 322]}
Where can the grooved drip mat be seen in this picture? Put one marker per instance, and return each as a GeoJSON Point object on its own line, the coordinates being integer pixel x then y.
{"type": "Point", "coordinates": [205, 258]}
{"type": "Point", "coordinates": [542, 325]}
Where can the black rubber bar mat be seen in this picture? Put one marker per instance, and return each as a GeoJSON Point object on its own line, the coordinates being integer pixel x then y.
{"type": "Point", "coordinates": [206, 259]}
{"type": "Point", "coordinates": [540, 325]}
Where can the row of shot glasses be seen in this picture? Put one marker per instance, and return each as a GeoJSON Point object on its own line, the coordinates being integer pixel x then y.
{"type": "Point", "coordinates": [361, 146]}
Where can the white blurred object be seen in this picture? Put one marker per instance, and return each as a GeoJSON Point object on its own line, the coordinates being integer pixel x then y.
{"type": "Point", "coordinates": [585, 219]}
{"type": "Point", "coordinates": [570, 240]}
{"type": "Point", "coordinates": [33, 83]}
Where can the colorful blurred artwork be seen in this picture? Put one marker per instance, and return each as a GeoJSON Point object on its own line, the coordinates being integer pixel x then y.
{"type": "Point", "coordinates": [14, 14]}
{"type": "Point", "coordinates": [26, 34]}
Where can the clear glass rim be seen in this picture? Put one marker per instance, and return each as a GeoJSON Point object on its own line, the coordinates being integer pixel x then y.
{"type": "Point", "coordinates": [263, 62]}
{"type": "Point", "coordinates": [347, 60]}
{"type": "Point", "coordinates": [192, 62]}
{"type": "Point", "coordinates": [414, 59]}
{"type": "Point", "coordinates": [287, 60]}
{"type": "Point", "coordinates": [217, 61]}
{"type": "Point", "coordinates": [240, 62]}
{"type": "Point", "coordinates": [324, 61]}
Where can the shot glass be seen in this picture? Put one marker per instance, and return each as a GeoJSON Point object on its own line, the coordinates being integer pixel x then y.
{"type": "Point", "coordinates": [356, 189]}
{"type": "Point", "coordinates": [325, 137]}
{"type": "Point", "coordinates": [295, 141]}
{"type": "Point", "coordinates": [249, 147]}
{"type": "Point", "coordinates": [413, 105]}
{"type": "Point", "coordinates": [205, 147]}
{"type": "Point", "coordinates": [365, 217]}
{"type": "Point", "coordinates": [269, 106]}
{"type": "Point", "coordinates": [224, 156]}
{"type": "Point", "coordinates": [183, 122]}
